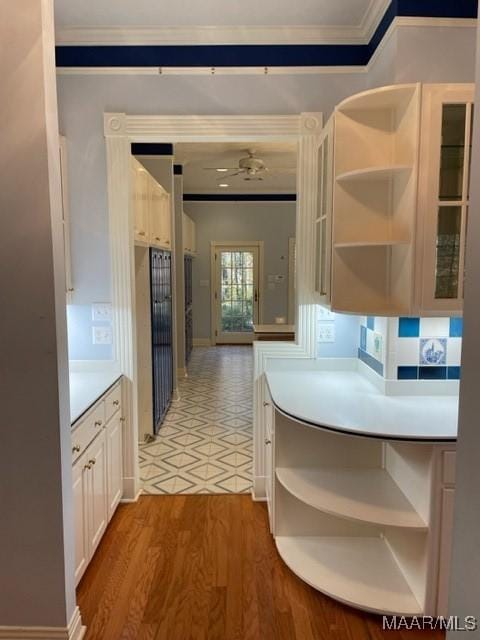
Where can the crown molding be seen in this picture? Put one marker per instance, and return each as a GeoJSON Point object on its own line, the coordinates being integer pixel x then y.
{"type": "Point", "coordinates": [213, 35]}
{"type": "Point", "coordinates": [372, 18]}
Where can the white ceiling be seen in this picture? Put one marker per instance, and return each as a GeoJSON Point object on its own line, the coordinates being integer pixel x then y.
{"type": "Point", "coordinates": [196, 157]}
{"type": "Point", "coordinates": [96, 13]}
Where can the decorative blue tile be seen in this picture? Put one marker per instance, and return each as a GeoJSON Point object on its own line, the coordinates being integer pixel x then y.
{"type": "Point", "coordinates": [371, 322]}
{"type": "Point", "coordinates": [433, 351]}
{"type": "Point", "coordinates": [456, 327]}
{"type": "Point", "coordinates": [408, 327]}
{"type": "Point", "coordinates": [432, 373]}
{"type": "Point", "coordinates": [369, 360]}
{"type": "Point", "coordinates": [453, 373]}
{"type": "Point", "coordinates": [407, 373]}
{"type": "Point", "coordinates": [363, 337]}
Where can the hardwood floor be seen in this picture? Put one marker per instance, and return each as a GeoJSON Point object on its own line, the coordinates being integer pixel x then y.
{"type": "Point", "coordinates": [205, 567]}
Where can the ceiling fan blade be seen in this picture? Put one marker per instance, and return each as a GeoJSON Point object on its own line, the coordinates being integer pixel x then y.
{"type": "Point", "coordinates": [282, 170]}
{"type": "Point", "coordinates": [229, 175]}
{"type": "Point", "coordinates": [217, 168]}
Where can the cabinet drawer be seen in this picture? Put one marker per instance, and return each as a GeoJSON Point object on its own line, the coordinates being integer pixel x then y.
{"type": "Point", "coordinates": [448, 467]}
{"type": "Point", "coordinates": [113, 401]}
{"type": "Point", "coordinates": [88, 428]}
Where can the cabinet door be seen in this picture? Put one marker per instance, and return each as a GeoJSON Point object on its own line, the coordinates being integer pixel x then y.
{"type": "Point", "coordinates": [80, 492]}
{"type": "Point", "coordinates": [268, 417]}
{"type": "Point", "coordinates": [444, 195]}
{"type": "Point", "coordinates": [114, 463]}
{"type": "Point", "coordinates": [446, 527]}
{"type": "Point", "coordinates": [141, 202]}
{"type": "Point", "coordinates": [166, 222]}
{"type": "Point", "coordinates": [156, 213]}
{"type": "Point", "coordinates": [323, 222]}
{"type": "Point", "coordinates": [97, 494]}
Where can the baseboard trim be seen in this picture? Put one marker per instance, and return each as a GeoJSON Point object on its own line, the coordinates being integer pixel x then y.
{"type": "Point", "coordinates": [131, 489]}
{"type": "Point", "coordinates": [259, 493]}
{"type": "Point", "coordinates": [74, 631]}
{"type": "Point", "coordinates": [131, 500]}
{"type": "Point", "coordinates": [202, 342]}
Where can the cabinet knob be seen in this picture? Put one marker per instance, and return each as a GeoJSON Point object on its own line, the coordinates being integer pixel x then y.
{"type": "Point", "coordinates": [122, 419]}
{"type": "Point", "coordinates": [267, 441]}
{"type": "Point", "coordinates": [87, 466]}
{"type": "Point", "coordinates": [98, 423]}
{"type": "Point", "coordinates": [141, 233]}
{"type": "Point", "coordinates": [116, 403]}
{"type": "Point", "coordinates": [91, 462]}
{"type": "Point", "coordinates": [76, 448]}
{"type": "Point", "coordinates": [266, 404]}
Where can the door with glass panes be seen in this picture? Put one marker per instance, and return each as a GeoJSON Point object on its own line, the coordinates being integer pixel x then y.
{"type": "Point", "coordinates": [445, 185]}
{"type": "Point", "coordinates": [236, 293]}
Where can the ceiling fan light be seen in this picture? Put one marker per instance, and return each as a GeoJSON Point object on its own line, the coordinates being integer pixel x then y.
{"type": "Point", "coordinates": [222, 170]}
{"type": "Point", "coordinates": [223, 185]}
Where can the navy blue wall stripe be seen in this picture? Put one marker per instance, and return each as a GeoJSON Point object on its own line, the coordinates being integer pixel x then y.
{"type": "Point", "coordinates": [177, 170]}
{"type": "Point", "coordinates": [260, 55]}
{"type": "Point", "coordinates": [246, 197]}
{"type": "Point", "coordinates": [152, 149]}
{"type": "Point", "coordinates": [212, 55]}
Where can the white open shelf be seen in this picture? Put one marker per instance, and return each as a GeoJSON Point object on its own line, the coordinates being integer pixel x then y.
{"type": "Point", "coordinates": [371, 174]}
{"type": "Point", "coordinates": [358, 571]}
{"type": "Point", "coordinates": [368, 495]}
{"type": "Point", "coordinates": [383, 98]}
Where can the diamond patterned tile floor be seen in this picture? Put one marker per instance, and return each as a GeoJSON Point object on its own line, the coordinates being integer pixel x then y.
{"type": "Point", "coordinates": [205, 442]}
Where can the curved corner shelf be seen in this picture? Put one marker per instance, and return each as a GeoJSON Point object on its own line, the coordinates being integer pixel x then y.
{"type": "Point", "coordinates": [358, 571]}
{"type": "Point", "coordinates": [366, 495]}
{"type": "Point", "coordinates": [383, 98]}
{"type": "Point", "coordinates": [372, 243]}
{"type": "Point", "coordinates": [374, 173]}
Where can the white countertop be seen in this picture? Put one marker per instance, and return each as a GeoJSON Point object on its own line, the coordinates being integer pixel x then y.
{"type": "Point", "coordinates": [348, 401]}
{"type": "Point", "coordinates": [87, 386]}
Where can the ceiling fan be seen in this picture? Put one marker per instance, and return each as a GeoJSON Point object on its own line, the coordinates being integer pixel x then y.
{"type": "Point", "coordinates": [251, 167]}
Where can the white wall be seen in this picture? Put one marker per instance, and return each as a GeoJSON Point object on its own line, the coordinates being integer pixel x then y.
{"type": "Point", "coordinates": [36, 528]}
{"type": "Point", "coordinates": [272, 222]}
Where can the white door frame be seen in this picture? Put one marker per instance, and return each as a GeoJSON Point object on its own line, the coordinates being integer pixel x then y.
{"type": "Point", "coordinates": [214, 244]}
{"type": "Point", "coordinates": [120, 131]}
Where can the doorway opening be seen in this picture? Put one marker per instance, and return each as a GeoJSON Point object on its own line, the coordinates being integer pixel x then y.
{"type": "Point", "coordinates": [237, 271]}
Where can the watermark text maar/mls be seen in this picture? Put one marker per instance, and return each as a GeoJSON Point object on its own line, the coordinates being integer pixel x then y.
{"type": "Point", "coordinates": [431, 623]}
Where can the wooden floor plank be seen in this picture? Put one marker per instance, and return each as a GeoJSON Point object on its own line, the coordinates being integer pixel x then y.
{"type": "Point", "coordinates": [206, 568]}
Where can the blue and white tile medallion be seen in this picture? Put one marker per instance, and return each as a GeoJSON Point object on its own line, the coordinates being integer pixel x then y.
{"type": "Point", "coordinates": [433, 351]}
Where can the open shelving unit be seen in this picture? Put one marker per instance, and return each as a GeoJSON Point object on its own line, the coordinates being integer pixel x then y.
{"type": "Point", "coordinates": [374, 195]}
{"type": "Point", "coordinates": [351, 515]}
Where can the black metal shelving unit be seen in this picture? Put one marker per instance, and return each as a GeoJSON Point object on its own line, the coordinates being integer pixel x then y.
{"type": "Point", "coordinates": [162, 348]}
{"type": "Point", "coordinates": [188, 262]}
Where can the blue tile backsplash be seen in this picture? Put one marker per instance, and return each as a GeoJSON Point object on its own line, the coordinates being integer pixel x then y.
{"type": "Point", "coordinates": [412, 348]}
{"type": "Point", "coordinates": [408, 327]}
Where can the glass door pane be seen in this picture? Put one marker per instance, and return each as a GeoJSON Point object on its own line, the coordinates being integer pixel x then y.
{"type": "Point", "coordinates": [452, 151]}
{"type": "Point", "coordinates": [237, 291]}
{"type": "Point", "coordinates": [448, 252]}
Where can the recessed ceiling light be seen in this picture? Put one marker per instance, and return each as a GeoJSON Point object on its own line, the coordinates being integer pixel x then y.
{"type": "Point", "coordinates": [222, 170]}
{"type": "Point", "coordinates": [223, 184]}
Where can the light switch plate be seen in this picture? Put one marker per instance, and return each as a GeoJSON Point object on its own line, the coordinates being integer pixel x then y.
{"type": "Point", "coordinates": [101, 312]}
{"type": "Point", "coordinates": [326, 332]}
{"type": "Point", "coordinates": [102, 335]}
{"type": "Point", "coordinates": [279, 277]}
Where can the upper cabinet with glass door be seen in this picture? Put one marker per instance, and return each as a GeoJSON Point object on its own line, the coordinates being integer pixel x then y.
{"type": "Point", "coordinates": [444, 183]}
{"type": "Point", "coordinates": [394, 233]}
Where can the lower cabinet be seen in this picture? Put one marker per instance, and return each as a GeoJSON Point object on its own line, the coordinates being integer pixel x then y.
{"type": "Point", "coordinates": [97, 480]}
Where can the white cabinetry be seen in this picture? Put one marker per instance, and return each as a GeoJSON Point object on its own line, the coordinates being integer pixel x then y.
{"type": "Point", "coordinates": [396, 245]}
{"type": "Point", "coordinates": [345, 507]}
{"type": "Point", "coordinates": [97, 474]}
{"type": "Point", "coordinates": [151, 205]}
{"type": "Point", "coordinates": [66, 216]}
{"type": "Point", "coordinates": [444, 185]}
{"type": "Point", "coordinates": [140, 201]}
{"type": "Point", "coordinates": [189, 235]}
